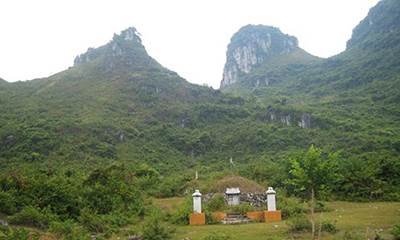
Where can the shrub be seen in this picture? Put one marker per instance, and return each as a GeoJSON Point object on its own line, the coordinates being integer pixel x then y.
{"type": "Point", "coordinates": [242, 208]}
{"type": "Point", "coordinates": [181, 215]}
{"type": "Point", "coordinates": [154, 229]}
{"type": "Point", "coordinates": [329, 227]}
{"type": "Point", "coordinates": [69, 230]}
{"type": "Point", "coordinates": [7, 203]}
{"type": "Point", "coordinates": [216, 203]}
{"type": "Point", "coordinates": [321, 207]}
{"type": "Point", "coordinates": [8, 233]}
{"type": "Point", "coordinates": [217, 236]}
{"type": "Point", "coordinates": [34, 217]}
{"type": "Point", "coordinates": [290, 207]}
{"type": "Point", "coordinates": [396, 232]}
{"type": "Point", "coordinates": [93, 222]}
{"type": "Point", "coordinates": [299, 223]}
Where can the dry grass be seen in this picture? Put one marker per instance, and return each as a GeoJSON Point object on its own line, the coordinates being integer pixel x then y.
{"type": "Point", "coordinates": [244, 184]}
{"type": "Point", "coordinates": [168, 204]}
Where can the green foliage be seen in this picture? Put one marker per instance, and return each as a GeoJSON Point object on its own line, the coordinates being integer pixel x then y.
{"type": "Point", "coordinates": [182, 214]}
{"type": "Point", "coordinates": [154, 229]}
{"type": "Point", "coordinates": [312, 173]}
{"type": "Point", "coordinates": [7, 233]}
{"type": "Point", "coordinates": [7, 203]}
{"type": "Point", "coordinates": [299, 223]}
{"type": "Point", "coordinates": [290, 206]}
{"type": "Point", "coordinates": [242, 208]}
{"type": "Point", "coordinates": [396, 231]}
{"type": "Point", "coordinates": [69, 230]}
{"type": "Point", "coordinates": [32, 216]}
{"type": "Point", "coordinates": [216, 203]}
{"type": "Point", "coordinates": [72, 204]}
{"type": "Point", "coordinates": [329, 227]}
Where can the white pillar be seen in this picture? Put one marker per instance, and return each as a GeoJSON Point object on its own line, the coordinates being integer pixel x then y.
{"type": "Point", "coordinates": [197, 201]}
{"type": "Point", "coordinates": [271, 201]}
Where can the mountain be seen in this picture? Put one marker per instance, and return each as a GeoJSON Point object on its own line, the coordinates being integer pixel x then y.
{"type": "Point", "coordinates": [383, 21]}
{"type": "Point", "coordinates": [258, 47]}
{"type": "Point", "coordinates": [351, 98]}
{"type": "Point", "coordinates": [117, 103]}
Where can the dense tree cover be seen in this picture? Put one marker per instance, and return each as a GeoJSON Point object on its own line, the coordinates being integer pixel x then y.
{"type": "Point", "coordinates": [100, 201]}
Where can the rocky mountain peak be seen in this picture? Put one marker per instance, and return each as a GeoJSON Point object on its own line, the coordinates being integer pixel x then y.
{"type": "Point", "coordinates": [125, 49]}
{"type": "Point", "coordinates": [382, 20]}
{"type": "Point", "coordinates": [251, 46]}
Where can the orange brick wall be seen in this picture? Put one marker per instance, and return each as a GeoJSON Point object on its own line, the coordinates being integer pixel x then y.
{"type": "Point", "coordinates": [274, 216]}
{"type": "Point", "coordinates": [197, 219]}
{"type": "Point", "coordinates": [256, 216]}
{"type": "Point", "coordinates": [218, 216]}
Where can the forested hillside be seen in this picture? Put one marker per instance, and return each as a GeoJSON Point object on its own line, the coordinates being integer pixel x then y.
{"type": "Point", "coordinates": [119, 105]}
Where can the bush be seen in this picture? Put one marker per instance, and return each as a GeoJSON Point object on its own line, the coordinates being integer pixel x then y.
{"type": "Point", "coordinates": [242, 208]}
{"type": "Point", "coordinates": [321, 207]}
{"type": "Point", "coordinates": [182, 214]}
{"type": "Point", "coordinates": [216, 203]}
{"type": "Point", "coordinates": [69, 230]}
{"type": "Point", "coordinates": [93, 222]}
{"type": "Point", "coordinates": [34, 217]}
{"type": "Point", "coordinates": [329, 227]}
{"type": "Point", "coordinates": [290, 207]}
{"type": "Point", "coordinates": [7, 203]}
{"type": "Point", "coordinates": [217, 236]}
{"type": "Point", "coordinates": [8, 233]}
{"type": "Point", "coordinates": [396, 232]}
{"type": "Point", "coordinates": [154, 229]}
{"type": "Point", "coordinates": [299, 223]}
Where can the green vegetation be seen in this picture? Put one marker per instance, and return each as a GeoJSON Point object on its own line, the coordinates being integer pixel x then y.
{"type": "Point", "coordinates": [90, 150]}
{"type": "Point", "coordinates": [313, 174]}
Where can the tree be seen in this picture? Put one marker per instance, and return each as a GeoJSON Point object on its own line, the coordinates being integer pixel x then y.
{"type": "Point", "coordinates": [312, 173]}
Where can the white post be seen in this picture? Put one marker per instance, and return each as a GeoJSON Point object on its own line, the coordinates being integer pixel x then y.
{"type": "Point", "coordinates": [271, 201]}
{"type": "Point", "coordinates": [197, 201]}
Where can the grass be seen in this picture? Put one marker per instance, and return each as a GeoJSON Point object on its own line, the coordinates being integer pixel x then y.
{"type": "Point", "coordinates": [168, 204]}
{"type": "Point", "coordinates": [363, 219]}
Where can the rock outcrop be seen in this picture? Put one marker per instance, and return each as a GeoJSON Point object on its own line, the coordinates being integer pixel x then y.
{"type": "Point", "coordinates": [251, 46]}
{"type": "Point", "coordinates": [124, 50]}
{"type": "Point", "coordinates": [382, 21]}
{"type": "Point", "coordinates": [288, 118]}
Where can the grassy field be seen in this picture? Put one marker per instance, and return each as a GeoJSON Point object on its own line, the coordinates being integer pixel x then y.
{"type": "Point", "coordinates": [362, 219]}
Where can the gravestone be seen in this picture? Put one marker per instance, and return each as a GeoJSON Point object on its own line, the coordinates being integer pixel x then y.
{"type": "Point", "coordinates": [232, 196]}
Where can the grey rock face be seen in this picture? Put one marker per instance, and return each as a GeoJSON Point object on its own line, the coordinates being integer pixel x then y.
{"type": "Point", "coordinates": [305, 120]}
{"type": "Point", "coordinates": [254, 199]}
{"type": "Point", "coordinates": [288, 118]}
{"type": "Point", "coordinates": [251, 46]}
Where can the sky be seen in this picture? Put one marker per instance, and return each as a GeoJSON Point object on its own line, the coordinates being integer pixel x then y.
{"type": "Point", "coordinates": [42, 37]}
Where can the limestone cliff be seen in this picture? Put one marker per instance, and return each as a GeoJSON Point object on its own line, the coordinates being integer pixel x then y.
{"type": "Point", "coordinates": [256, 52]}
{"type": "Point", "coordinates": [251, 46]}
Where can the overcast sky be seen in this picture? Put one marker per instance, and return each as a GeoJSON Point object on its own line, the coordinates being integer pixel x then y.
{"type": "Point", "coordinates": [42, 37]}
